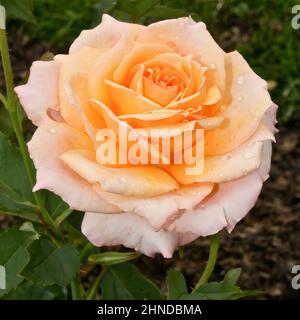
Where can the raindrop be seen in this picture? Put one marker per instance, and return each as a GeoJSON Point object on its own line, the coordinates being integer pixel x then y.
{"type": "Point", "coordinates": [122, 179]}
{"type": "Point", "coordinates": [52, 131]}
{"type": "Point", "coordinates": [248, 154]}
{"type": "Point", "coordinates": [213, 66]}
{"type": "Point", "coordinates": [240, 80]}
{"type": "Point", "coordinates": [240, 98]}
{"type": "Point", "coordinates": [221, 174]}
{"type": "Point", "coordinates": [226, 156]}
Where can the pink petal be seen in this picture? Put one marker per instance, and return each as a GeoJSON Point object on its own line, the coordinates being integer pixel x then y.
{"type": "Point", "coordinates": [231, 202]}
{"type": "Point", "coordinates": [50, 140]}
{"type": "Point", "coordinates": [106, 34]}
{"type": "Point", "coordinates": [41, 91]}
{"type": "Point", "coordinates": [129, 230]}
{"type": "Point", "coordinates": [161, 209]}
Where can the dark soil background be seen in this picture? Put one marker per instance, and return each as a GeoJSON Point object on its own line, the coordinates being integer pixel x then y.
{"type": "Point", "coordinates": [266, 244]}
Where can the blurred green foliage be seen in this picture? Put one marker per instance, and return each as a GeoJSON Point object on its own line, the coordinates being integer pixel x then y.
{"type": "Point", "coordinates": [260, 29]}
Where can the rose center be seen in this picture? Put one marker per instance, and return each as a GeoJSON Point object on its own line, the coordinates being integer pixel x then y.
{"type": "Point", "coordinates": [165, 78]}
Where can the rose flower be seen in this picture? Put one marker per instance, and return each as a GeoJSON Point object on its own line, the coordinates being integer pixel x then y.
{"type": "Point", "coordinates": [170, 75]}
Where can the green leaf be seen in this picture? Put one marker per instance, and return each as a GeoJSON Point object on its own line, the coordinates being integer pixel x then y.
{"type": "Point", "coordinates": [55, 204]}
{"type": "Point", "coordinates": [105, 5]}
{"type": "Point", "coordinates": [125, 282]}
{"type": "Point", "coordinates": [19, 9]}
{"type": "Point", "coordinates": [223, 290]}
{"type": "Point", "coordinates": [14, 256]}
{"type": "Point", "coordinates": [110, 258]}
{"type": "Point", "coordinates": [164, 12]}
{"type": "Point", "coordinates": [28, 227]}
{"type": "Point", "coordinates": [136, 8]}
{"type": "Point", "coordinates": [47, 56]}
{"type": "Point", "coordinates": [13, 175]}
{"type": "Point", "coordinates": [5, 124]}
{"type": "Point", "coordinates": [15, 192]}
{"type": "Point", "coordinates": [232, 276]}
{"type": "Point", "coordinates": [30, 291]}
{"type": "Point", "coordinates": [176, 285]}
{"type": "Point", "coordinates": [50, 265]}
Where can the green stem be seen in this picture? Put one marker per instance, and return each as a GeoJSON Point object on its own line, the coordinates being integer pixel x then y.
{"type": "Point", "coordinates": [63, 216]}
{"type": "Point", "coordinates": [12, 106]}
{"type": "Point", "coordinates": [212, 258]}
{"type": "Point", "coordinates": [93, 291]}
{"type": "Point", "coordinates": [3, 100]}
{"type": "Point", "coordinates": [76, 289]}
{"type": "Point", "coordinates": [85, 252]}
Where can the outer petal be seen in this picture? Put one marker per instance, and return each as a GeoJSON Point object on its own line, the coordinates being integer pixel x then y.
{"type": "Point", "coordinates": [47, 144]}
{"type": "Point", "coordinates": [161, 209]}
{"type": "Point", "coordinates": [248, 102]}
{"type": "Point", "coordinates": [230, 203]}
{"type": "Point", "coordinates": [41, 91]}
{"type": "Point", "coordinates": [130, 181]}
{"type": "Point", "coordinates": [71, 65]}
{"type": "Point", "coordinates": [129, 230]}
{"type": "Point", "coordinates": [106, 34]}
{"type": "Point", "coordinates": [222, 168]}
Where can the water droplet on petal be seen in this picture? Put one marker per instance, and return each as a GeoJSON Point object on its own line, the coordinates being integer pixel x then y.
{"type": "Point", "coordinates": [240, 80]}
{"type": "Point", "coordinates": [122, 179]}
{"type": "Point", "coordinates": [52, 131]}
{"type": "Point", "coordinates": [226, 156]}
{"type": "Point", "coordinates": [221, 174]}
{"type": "Point", "coordinates": [213, 66]}
{"type": "Point", "coordinates": [248, 154]}
{"type": "Point", "coordinates": [240, 98]}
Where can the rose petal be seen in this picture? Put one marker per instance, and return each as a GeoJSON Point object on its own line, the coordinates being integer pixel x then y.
{"type": "Point", "coordinates": [127, 101]}
{"type": "Point", "coordinates": [129, 181]}
{"type": "Point", "coordinates": [265, 165]}
{"type": "Point", "coordinates": [249, 101]}
{"type": "Point", "coordinates": [231, 202]}
{"type": "Point", "coordinates": [187, 37]}
{"type": "Point", "coordinates": [71, 65]}
{"type": "Point", "coordinates": [41, 91]}
{"type": "Point", "coordinates": [129, 230]}
{"type": "Point", "coordinates": [76, 89]}
{"type": "Point", "coordinates": [161, 96]}
{"type": "Point", "coordinates": [106, 34]}
{"type": "Point", "coordinates": [222, 168]}
{"type": "Point", "coordinates": [104, 67]}
{"type": "Point", "coordinates": [158, 210]}
{"type": "Point", "coordinates": [50, 140]}
{"type": "Point", "coordinates": [139, 53]}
